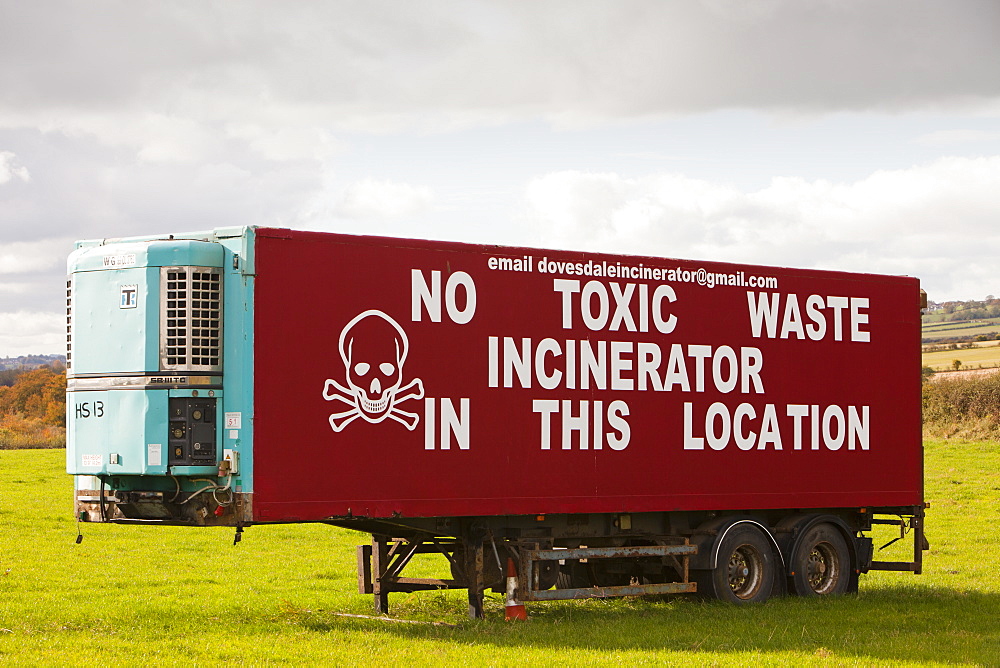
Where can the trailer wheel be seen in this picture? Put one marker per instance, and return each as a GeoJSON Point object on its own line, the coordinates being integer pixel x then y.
{"type": "Point", "coordinates": [821, 563]}
{"type": "Point", "coordinates": [548, 574]}
{"type": "Point", "coordinates": [573, 575]}
{"type": "Point", "coordinates": [744, 571]}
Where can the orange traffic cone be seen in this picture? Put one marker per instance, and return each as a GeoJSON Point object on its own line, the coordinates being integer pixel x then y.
{"type": "Point", "coordinates": [513, 609]}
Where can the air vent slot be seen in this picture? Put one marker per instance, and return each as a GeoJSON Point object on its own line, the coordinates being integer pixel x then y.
{"type": "Point", "coordinates": [69, 324]}
{"type": "Point", "coordinates": [191, 319]}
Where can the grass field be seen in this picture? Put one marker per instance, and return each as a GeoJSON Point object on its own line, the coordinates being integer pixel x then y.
{"type": "Point", "coordinates": [180, 596]}
{"type": "Point", "coordinates": [987, 355]}
{"type": "Point", "coordinates": [947, 330]}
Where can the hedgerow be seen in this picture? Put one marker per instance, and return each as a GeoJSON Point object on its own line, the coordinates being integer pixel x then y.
{"type": "Point", "coordinates": [962, 408]}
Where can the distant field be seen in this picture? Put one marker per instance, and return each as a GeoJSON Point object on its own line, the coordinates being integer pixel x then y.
{"type": "Point", "coordinates": [986, 355]}
{"type": "Point", "coordinates": [170, 596]}
{"type": "Point", "coordinates": [947, 330]}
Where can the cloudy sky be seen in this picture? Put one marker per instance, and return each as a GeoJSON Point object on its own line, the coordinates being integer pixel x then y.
{"type": "Point", "coordinates": [836, 134]}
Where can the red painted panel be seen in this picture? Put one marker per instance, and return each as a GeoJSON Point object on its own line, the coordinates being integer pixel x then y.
{"type": "Point", "coordinates": [687, 406]}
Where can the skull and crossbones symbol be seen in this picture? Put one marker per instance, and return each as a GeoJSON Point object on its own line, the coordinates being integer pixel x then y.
{"type": "Point", "coordinates": [373, 347]}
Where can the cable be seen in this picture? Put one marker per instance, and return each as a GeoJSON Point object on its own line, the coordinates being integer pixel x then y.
{"type": "Point", "coordinates": [177, 492]}
{"type": "Point", "coordinates": [212, 485]}
{"type": "Point", "coordinates": [223, 489]}
{"type": "Point", "coordinates": [104, 514]}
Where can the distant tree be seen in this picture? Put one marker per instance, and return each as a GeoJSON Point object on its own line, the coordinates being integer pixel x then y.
{"type": "Point", "coordinates": [9, 376]}
{"type": "Point", "coordinates": [39, 393]}
{"type": "Point", "coordinates": [957, 364]}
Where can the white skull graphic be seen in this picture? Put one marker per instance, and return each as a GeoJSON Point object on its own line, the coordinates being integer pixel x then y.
{"type": "Point", "coordinates": [373, 348]}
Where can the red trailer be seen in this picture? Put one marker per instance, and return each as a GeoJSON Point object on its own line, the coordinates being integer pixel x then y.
{"type": "Point", "coordinates": [613, 424]}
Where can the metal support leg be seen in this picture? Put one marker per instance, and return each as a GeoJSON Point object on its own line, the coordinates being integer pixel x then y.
{"type": "Point", "coordinates": [380, 561]}
{"type": "Point", "coordinates": [474, 576]}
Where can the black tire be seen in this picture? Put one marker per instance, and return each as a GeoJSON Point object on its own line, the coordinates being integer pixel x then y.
{"type": "Point", "coordinates": [821, 564]}
{"type": "Point", "coordinates": [548, 573]}
{"type": "Point", "coordinates": [573, 575]}
{"type": "Point", "coordinates": [745, 569]}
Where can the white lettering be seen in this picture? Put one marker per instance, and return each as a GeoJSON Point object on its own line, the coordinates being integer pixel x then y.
{"type": "Point", "coordinates": [769, 432]}
{"type": "Point", "coordinates": [545, 407]}
{"type": "Point", "coordinates": [717, 440]}
{"type": "Point", "coordinates": [858, 318]}
{"type": "Point", "coordinates": [725, 354]}
{"type": "Point", "coordinates": [547, 381]}
{"type": "Point", "coordinates": [797, 412]}
{"type": "Point", "coordinates": [648, 364]}
{"type": "Point", "coordinates": [515, 361]}
{"type": "Point", "coordinates": [567, 287]}
{"type": "Point", "coordinates": [857, 427]}
{"type": "Point", "coordinates": [792, 322]}
{"type": "Point", "coordinates": [571, 423]}
{"type": "Point", "coordinates": [833, 437]}
{"type": "Point", "coordinates": [422, 295]}
{"type": "Point", "coordinates": [763, 313]}
{"type": "Point", "coordinates": [464, 315]}
{"type": "Point", "coordinates": [622, 314]}
{"type": "Point", "coordinates": [620, 364]}
{"type": "Point", "coordinates": [814, 309]}
{"type": "Point", "coordinates": [659, 294]}
{"type": "Point", "coordinates": [691, 442]}
{"type": "Point", "coordinates": [838, 304]}
{"type": "Point", "coordinates": [744, 441]}
{"type": "Point", "coordinates": [588, 423]}
{"type": "Point", "coordinates": [590, 290]}
{"type": "Point", "coordinates": [616, 420]}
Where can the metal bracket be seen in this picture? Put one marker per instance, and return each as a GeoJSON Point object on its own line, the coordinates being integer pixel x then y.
{"type": "Point", "coordinates": [380, 566]}
{"type": "Point", "coordinates": [528, 588]}
{"type": "Point", "coordinates": [914, 525]}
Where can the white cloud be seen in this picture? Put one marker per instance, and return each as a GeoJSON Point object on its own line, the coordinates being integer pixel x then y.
{"type": "Point", "coordinates": [9, 169]}
{"type": "Point", "coordinates": [939, 221]}
{"type": "Point", "coordinates": [171, 80]}
{"type": "Point", "coordinates": [147, 117]}
{"type": "Point", "coordinates": [164, 138]}
{"type": "Point", "coordinates": [23, 257]}
{"type": "Point", "coordinates": [382, 200]}
{"type": "Point", "coordinates": [32, 333]}
{"type": "Point", "coordinates": [285, 143]}
{"type": "Point", "coordinates": [963, 136]}
{"type": "Point", "coordinates": [9, 288]}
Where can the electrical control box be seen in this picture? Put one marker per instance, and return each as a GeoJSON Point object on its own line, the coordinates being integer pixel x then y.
{"type": "Point", "coordinates": [192, 431]}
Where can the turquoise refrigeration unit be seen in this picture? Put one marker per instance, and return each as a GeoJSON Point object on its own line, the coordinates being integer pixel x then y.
{"type": "Point", "coordinates": [158, 403]}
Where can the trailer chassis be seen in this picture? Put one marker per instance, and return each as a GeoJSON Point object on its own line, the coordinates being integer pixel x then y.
{"type": "Point", "coordinates": [627, 561]}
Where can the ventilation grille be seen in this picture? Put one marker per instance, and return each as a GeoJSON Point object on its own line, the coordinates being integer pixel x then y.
{"type": "Point", "coordinates": [69, 324]}
{"type": "Point", "coordinates": [191, 319]}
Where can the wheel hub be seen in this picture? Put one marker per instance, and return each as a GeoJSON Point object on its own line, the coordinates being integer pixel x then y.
{"type": "Point", "coordinates": [821, 568]}
{"type": "Point", "coordinates": [745, 571]}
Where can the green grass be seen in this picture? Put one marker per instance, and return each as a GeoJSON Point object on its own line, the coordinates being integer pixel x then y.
{"type": "Point", "coordinates": [980, 356]}
{"type": "Point", "coordinates": [180, 596]}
